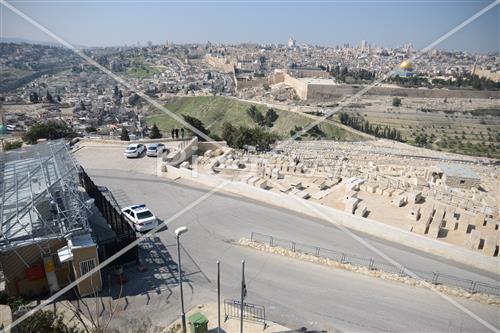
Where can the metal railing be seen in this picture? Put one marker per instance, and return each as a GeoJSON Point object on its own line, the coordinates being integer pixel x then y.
{"type": "Point", "coordinates": [435, 278]}
{"type": "Point", "coordinates": [251, 312]}
{"type": "Point", "coordinates": [107, 206]}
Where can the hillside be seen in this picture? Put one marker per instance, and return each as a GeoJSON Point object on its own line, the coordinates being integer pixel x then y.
{"type": "Point", "coordinates": [213, 111]}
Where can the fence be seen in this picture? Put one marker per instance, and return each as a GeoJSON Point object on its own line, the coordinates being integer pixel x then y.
{"type": "Point", "coordinates": [372, 264]}
{"type": "Point", "coordinates": [110, 210]}
{"type": "Point", "coordinates": [251, 312]}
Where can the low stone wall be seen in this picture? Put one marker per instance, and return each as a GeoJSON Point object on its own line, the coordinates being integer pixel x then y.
{"type": "Point", "coordinates": [353, 222]}
{"type": "Point", "coordinates": [125, 143]}
{"type": "Point", "coordinates": [455, 291]}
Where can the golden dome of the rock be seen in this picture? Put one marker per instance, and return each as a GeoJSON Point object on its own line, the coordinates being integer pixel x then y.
{"type": "Point", "coordinates": [407, 64]}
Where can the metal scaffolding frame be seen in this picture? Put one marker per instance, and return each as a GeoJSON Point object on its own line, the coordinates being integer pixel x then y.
{"type": "Point", "coordinates": [40, 195]}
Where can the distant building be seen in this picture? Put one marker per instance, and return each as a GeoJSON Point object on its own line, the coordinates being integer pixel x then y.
{"type": "Point", "coordinates": [458, 176]}
{"type": "Point", "coordinates": [291, 42]}
{"type": "Point", "coordinates": [406, 69]}
{"type": "Point", "coordinates": [363, 45]}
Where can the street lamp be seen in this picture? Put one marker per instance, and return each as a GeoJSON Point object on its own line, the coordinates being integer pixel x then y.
{"type": "Point", "coordinates": [178, 232]}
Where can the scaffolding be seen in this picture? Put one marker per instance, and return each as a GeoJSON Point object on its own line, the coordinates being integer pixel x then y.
{"type": "Point", "coordinates": [41, 198]}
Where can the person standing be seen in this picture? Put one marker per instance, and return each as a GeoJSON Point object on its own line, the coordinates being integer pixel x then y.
{"type": "Point", "coordinates": [182, 132]}
{"type": "Point", "coordinates": [176, 133]}
{"type": "Point", "coordinates": [173, 133]}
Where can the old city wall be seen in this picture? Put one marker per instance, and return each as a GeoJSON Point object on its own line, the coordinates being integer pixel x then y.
{"type": "Point", "coordinates": [321, 92]}
{"type": "Point", "coordinates": [221, 64]}
{"type": "Point", "coordinates": [324, 92]}
{"type": "Point", "coordinates": [300, 87]}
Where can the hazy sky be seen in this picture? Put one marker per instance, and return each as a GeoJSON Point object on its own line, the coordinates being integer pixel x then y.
{"type": "Point", "coordinates": [323, 22]}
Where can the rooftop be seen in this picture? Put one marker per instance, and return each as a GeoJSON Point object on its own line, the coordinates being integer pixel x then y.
{"type": "Point", "coordinates": [40, 198]}
{"type": "Point", "coordinates": [461, 171]}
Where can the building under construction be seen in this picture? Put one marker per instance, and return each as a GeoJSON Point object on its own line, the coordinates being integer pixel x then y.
{"type": "Point", "coordinates": [45, 239]}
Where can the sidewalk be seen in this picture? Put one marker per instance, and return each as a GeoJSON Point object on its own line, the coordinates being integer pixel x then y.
{"type": "Point", "coordinates": [232, 325]}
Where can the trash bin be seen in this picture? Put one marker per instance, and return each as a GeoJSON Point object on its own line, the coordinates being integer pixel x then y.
{"type": "Point", "coordinates": [198, 323]}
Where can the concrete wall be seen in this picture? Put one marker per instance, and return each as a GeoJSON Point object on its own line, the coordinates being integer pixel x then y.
{"type": "Point", "coordinates": [322, 92]}
{"type": "Point", "coordinates": [357, 223]}
{"type": "Point", "coordinates": [183, 152]}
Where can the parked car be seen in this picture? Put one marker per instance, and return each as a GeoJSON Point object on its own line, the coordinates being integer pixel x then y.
{"type": "Point", "coordinates": [134, 150]}
{"type": "Point", "coordinates": [156, 149]}
{"type": "Point", "coordinates": [141, 217]}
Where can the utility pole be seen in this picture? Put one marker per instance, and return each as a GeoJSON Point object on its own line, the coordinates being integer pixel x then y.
{"type": "Point", "coordinates": [178, 232]}
{"type": "Point", "coordinates": [218, 296]}
{"type": "Point", "coordinates": [243, 293]}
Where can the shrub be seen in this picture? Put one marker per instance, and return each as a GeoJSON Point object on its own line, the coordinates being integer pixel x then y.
{"type": "Point", "coordinates": [50, 130]}
{"type": "Point", "coordinates": [124, 135]}
{"type": "Point", "coordinates": [396, 101]}
{"type": "Point", "coordinates": [9, 145]}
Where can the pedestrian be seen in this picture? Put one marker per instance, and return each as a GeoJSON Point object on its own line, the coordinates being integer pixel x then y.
{"type": "Point", "coordinates": [173, 133]}
{"type": "Point", "coordinates": [182, 132]}
{"type": "Point", "coordinates": [176, 133]}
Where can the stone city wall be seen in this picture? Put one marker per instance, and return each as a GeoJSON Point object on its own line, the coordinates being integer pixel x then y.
{"type": "Point", "coordinates": [222, 64]}
{"type": "Point", "coordinates": [312, 91]}
{"type": "Point", "coordinates": [324, 92]}
{"type": "Point", "coordinates": [258, 82]}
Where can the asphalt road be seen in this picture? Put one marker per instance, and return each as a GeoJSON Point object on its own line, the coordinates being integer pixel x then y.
{"type": "Point", "coordinates": [295, 293]}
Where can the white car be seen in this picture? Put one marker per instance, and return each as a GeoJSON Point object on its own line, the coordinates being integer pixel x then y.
{"type": "Point", "coordinates": [156, 149]}
{"type": "Point", "coordinates": [134, 150]}
{"type": "Point", "coordinates": [141, 217]}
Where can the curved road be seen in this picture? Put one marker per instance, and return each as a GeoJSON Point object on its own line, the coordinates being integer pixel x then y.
{"type": "Point", "coordinates": [295, 293]}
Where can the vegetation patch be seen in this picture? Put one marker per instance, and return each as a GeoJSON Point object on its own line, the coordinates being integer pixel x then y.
{"type": "Point", "coordinates": [214, 111]}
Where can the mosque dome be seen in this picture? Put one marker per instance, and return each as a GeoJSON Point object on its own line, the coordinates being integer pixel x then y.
{"type": "Point", "coordinates": [407, 64]}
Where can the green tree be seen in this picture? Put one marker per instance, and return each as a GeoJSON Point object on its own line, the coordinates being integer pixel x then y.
{"type": "Point", "coordinates": [270, 117]}
{"type": "Point", "coordinates": [198, 124]}
{"type": "Point", "coordinates": [238, 137]}
{"type": "Point", "coordinates": [50, 130]}
{"type": "Point", "coordinates": [124, 135]}
{"type": "Point", "coordinates": [256, 115]}
{"type": "Point", "coordinates": [396, 101]}
{"type": "Point", "coordinates": [155, 132]}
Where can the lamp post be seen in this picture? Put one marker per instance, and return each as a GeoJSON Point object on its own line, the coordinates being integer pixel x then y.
{"type": "Point", "coordinates": [178, 232]}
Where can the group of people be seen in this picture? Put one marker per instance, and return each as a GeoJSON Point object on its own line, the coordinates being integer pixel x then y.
{"type": "Point", "coordinates": [175, 133]}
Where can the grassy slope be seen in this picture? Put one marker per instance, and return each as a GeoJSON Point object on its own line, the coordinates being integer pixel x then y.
{"type": "Point", "coordinates": [213, 111]}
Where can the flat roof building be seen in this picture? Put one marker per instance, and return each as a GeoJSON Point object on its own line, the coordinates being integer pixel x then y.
{"type": "Point", "coordinates": [458, 176]}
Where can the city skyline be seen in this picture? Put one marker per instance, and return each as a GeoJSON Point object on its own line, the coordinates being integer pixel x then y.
{"type": "Point", "coordinates": [326, 24]}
